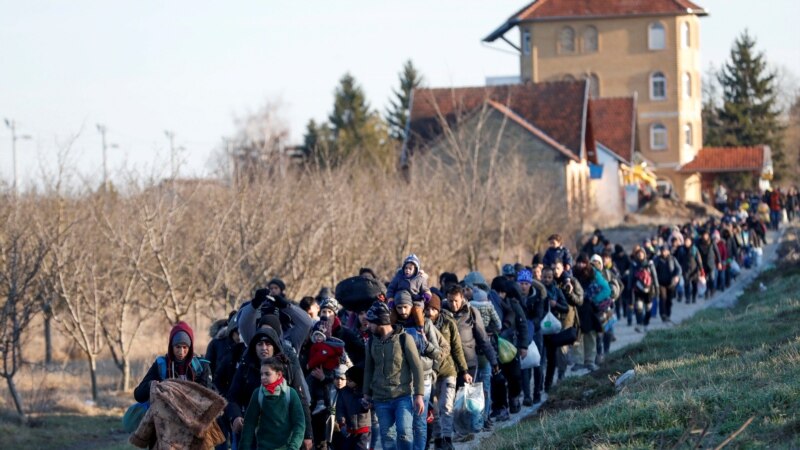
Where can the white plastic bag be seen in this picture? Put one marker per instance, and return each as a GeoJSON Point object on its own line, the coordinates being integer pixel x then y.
{"type": "Point", "coordinates": [702, 286]}
{"type": "Point", "coordinates": [532, 359]}
{"type": "Point", "coordinates": [468, 409]}
{"type": "Point", "coordinates": [550, 325]}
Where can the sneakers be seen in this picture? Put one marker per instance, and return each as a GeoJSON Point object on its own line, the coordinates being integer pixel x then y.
{"type": "Point", "coordinates": [319, 408]}
{"type": "Point", "coordinates": [488, 425]}
{"type": "Point", "coordinates": [638, 329]}
{"type": "Point", "coordinates": [537, 398]}
{"type": "Point", "coordinates": [528, 401]}
{"type": "Point", "coordinates": [515, 406]}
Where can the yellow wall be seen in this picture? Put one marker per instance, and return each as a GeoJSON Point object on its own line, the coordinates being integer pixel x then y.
{"type": "Point", "coordinates": [623, 64]}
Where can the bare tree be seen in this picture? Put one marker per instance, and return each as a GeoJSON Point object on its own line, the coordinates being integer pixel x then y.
{"type": "Point", "coordinates": [22, 253]}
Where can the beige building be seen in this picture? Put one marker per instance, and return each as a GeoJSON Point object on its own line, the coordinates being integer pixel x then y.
{"type": "Point", "coordinates": [646, 48]}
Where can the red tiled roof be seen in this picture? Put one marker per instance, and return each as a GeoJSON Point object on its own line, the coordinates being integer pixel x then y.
{"type": "Point", "coordinates": [729, 159]}
{"type": "Point", "coordinates": [541, 10]}
{"type": "Point", "coordinates": [613, 123]}
{"type": "Point", "coordinates": [556, 109]}
{"type": "Point", "coordinates": [545, 9]}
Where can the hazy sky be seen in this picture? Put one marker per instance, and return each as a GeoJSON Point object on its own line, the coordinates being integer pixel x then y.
{"type": "Point", "coordinates": [142, 67]}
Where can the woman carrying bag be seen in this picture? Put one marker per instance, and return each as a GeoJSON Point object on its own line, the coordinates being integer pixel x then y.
{"type": "Point", "coordinates": [556, 305]}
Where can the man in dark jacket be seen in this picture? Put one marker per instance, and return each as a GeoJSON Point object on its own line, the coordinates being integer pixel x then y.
{"type": "Point", "coordinates": [644, 287]}
{"type": "Point", "coordinates": [453, 366]}
{"type": "Point", "coordinates": [712, 261]}
{"type": "Point", "coordinates": [505, 399]}
{"type": "Point", "coordinates": [179, 363]}
{"type": "Point", "coordinates": [533, 301]}
{"type": "Point", "coordinates": [689, 258]}
{"type": "Point", "coordinates": [264, 344]}
{"type": "Point", "coordinates": [668, 273]}
{"type": "Point", "coordinates": [573, 293]}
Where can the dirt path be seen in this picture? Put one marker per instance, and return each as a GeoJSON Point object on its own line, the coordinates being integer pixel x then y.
{"type": "Point", "coordinates": [627, 336]}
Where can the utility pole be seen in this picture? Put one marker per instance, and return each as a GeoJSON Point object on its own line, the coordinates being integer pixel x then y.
{"type": "Point", "coordinates": [13, 126]}
{"type": "Point", "coordinates": [102, 129]}
{"type": "Point", "coordinates": [171, 136]}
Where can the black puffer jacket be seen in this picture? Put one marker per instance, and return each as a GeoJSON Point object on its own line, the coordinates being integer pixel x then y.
{"type": "Point", "coordinates": [248, 377]}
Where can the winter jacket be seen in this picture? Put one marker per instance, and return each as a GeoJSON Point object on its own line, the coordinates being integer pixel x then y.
{"type": "Point", "coordinates": [709, 253]}
{"type": "Point", "coordinates": [453, 362]}
{"type": "Point", "coordinates": [227, 368]}
{"type": "Point", "coordinates": [666, 270]}
{"type": "Point", "coordinates": [217, 348]}
{"type": "Point", "coordinates": [431, 345]}
{"type": "Point", "coordinates": [491, 320]}
{"type": "Point", "coordinates": [722, 248]}
{"type": "Point", "coordinates": [174, 369]}
{"type": "Point", "coordinates": [690, 262]}
{"type": "Point", "coordinates": [595, 292]}
{"type": "Point", "coordinates": [350, 412]}
{"type": "Point", "coordinates": [635, 267]}
{"type": "Point", "coordinates": [296, 324]}
{"type": "Point", "coordinates": [182, 414]}
{"type": "Point", "coordinates": [248, 377]}
{"type": "Point", "coordinates": [561, 310]}
{"type": "Point", "coordinates": [416, 284]}
{"type": "Point", "coordinates": [474, 339]}
{"type": "Point", "coordinates": [574, 299]}
{"type": "Point", "coordinates": [515, 325]}
{"type": "Point", "coordinates": [392, 368]}
{"type": "Point", "coordinates": [275, 422]}
{"type": "Point", "coordinates": [353, 344]}
{"type": "Point", "coordinates": [558, 253]}
{"type": "Point", "coordinates": [327, 354]}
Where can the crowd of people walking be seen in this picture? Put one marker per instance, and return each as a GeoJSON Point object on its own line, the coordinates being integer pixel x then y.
{"type": "Point", "coordinates": [315, 374]}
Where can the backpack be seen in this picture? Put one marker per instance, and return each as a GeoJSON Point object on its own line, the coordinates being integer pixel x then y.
{"type": "Point", "coordinates": [197, 366]}
{"type": "Point", "coordinates": [287, 396]}
{"type": "Point", "coordinates": [644, 279]}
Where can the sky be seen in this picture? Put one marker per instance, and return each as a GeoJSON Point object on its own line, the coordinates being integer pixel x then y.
{"type": "Point", "coordinates": [192, 67]}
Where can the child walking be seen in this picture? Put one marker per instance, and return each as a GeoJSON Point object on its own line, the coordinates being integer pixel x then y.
{"type": "Point", "coordinates": [274, 419]}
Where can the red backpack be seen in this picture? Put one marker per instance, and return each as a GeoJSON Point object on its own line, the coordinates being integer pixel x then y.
{"type": "Point", "coordinates": [644, 279]}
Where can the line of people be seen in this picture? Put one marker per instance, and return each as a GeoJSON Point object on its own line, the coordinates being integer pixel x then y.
{"type": "Point", "coordinates": [315, 374]}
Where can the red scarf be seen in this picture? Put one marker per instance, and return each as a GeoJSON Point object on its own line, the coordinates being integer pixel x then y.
{"type": "Point", "coordinates": [274, 385]}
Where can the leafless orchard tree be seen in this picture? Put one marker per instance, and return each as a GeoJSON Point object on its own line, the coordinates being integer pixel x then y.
{"type": "Point", "coordinates": [22, 255]}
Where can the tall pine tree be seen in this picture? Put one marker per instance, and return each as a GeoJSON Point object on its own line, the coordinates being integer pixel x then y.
{"type": "Point", "coordinates": [355, 133]}
{"type": "Point", "coordinates": [749, 114]}
{"type": "Point", "coordinates": [397, 112]}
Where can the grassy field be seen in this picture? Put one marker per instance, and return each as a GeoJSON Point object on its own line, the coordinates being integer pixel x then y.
{"type": "Point", "coordinates": [696, 384]}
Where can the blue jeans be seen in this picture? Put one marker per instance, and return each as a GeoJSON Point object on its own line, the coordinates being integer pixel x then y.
{"type": "Point", "coordinates": [421, 420]}
{"type": "Point", "coordinates": [396, 422]}
{"type": "Point", "coordinates": [486, 378]}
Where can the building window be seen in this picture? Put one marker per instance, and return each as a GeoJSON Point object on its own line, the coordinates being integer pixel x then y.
{"type": "Point", "coordinates": [656, 37]}
{"type": "Point", "coordinates": [566, 40]}
{"type": "Point", "coordinates": [687, 135]}
{"type": "Point", "coordinates": [526, 42]}
{"type": "Point", "coordinates": [686, 35]}
{"type": "Point", "coordinates": [658, 136]}
{"type": "Point", "coordinates": [687, 85]}
{"type": "Point", "coordinates": [658, 86]}
{"type": "Point", "coordinates": [590, 39]}
{"type": "Point", "coordinates": [594, 85]}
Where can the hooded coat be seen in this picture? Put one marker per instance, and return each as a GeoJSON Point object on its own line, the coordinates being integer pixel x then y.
{"type": "Point", "coordinates": [182, 414]}
{"type": "Point", "coordinates": [175, 369]}
{"type": "Point", "coordinates": [474, 339]}
{"type": "Point", "coordinates": [248, 377]}
{"type": "Point", "coordinates": [417, 283]}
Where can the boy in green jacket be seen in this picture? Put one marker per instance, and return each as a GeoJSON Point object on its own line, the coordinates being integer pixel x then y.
{"type": "Point", "coordinates": [274, 419]}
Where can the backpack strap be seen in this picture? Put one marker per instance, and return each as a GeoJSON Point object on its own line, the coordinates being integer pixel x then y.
{"type": "Point", "coordinates": [286, 395]}
{"type": "Point", "coordinates": [162, 367]}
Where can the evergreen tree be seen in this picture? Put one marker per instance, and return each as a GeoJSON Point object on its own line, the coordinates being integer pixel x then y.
{"type": "Point", "coordinates": [350, 108]}
{"type": "Point", "coordinates": [397, 113]}
{"type": "Point", "coordinates": [749, 114]}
